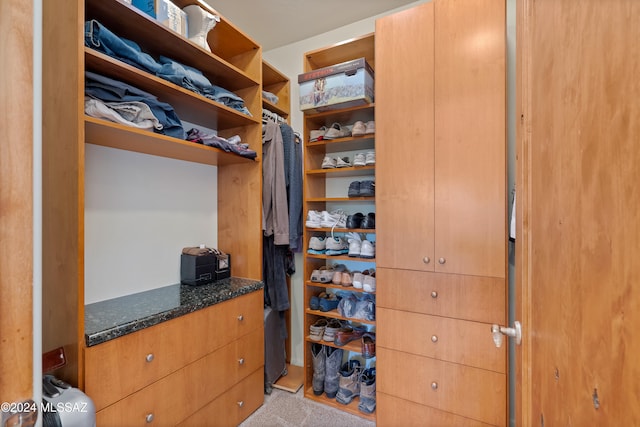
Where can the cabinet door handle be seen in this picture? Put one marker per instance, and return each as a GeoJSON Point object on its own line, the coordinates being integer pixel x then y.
{"type": "Point", "coordinates": [240, 404]}
{"type": "Point", "coordinates": [434, 294]}
{"type": "Point", "coordinates": [241, 318]}
{"type": "Point", "coordinates": [442, 260]}
{"type": "Point", "coordinates": [434, 385]}
{"type": "Point", "coordinates": [149, 418]}
{"type": "Point", "coordinates": [434, 338]}
{"type": "Point", "coordinates": [426, 260]}
{"type": "Point", "coordinates": [149, 358]}
{"type": "Point", "coordinates": [241, 361]}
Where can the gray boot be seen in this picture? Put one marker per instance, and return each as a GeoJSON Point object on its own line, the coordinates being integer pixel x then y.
{"type": "Point", "coordinates": [319, 355]}
{"type": "Point", "coordinates": [349, 382]}
{"type": "Point", "coordinates": [367, 403]}
{"type": "Point", "coordinates": [332, 371]}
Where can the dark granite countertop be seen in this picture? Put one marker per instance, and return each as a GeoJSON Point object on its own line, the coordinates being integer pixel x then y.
{"type": "Point", "coordinates": [109, 319]}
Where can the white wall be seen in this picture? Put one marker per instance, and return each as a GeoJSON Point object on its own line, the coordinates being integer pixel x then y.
{"type": "Point", "coordinates": [140, 211]}
{"type": "Point", "coordinates": [288, 60]}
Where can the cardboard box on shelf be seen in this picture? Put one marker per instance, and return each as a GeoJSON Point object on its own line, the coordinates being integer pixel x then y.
{"type": "Point", "coordinates": [338, 86]}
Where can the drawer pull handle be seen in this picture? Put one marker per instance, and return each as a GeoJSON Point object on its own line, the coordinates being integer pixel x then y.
{"type": "Point", "coordinates": [241, 318]}
{"type": "Point", "coordinates": [434, 294]}
{"type": "Point", "coordinates": [149, 418]}
{"type": "Point", "coordinates": [426, 260]}
{"type": "Point", "coordinates": [149, 357]}
{"type": "Point", "coordinates": [241, 361]}
{"type": "Point", "coordinates": [442, 260]}
{"type": "Point", "coordinates": [434, 385]}
{"type": "Point", "coordinates": [240, 404]}
{"type": "Point", "coordinates": [434, 338]}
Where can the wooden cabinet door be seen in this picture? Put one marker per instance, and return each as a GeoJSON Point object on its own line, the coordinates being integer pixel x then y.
{"type": "Point", "coordinates": [404, 139]}
{"type": "Point", "coordinates": [470, 132]}
{"type": "Point", "coordinates": [578, 240]}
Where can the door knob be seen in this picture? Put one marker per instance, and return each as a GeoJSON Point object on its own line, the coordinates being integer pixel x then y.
{"type": "Point", "coordinates": [498, 331]}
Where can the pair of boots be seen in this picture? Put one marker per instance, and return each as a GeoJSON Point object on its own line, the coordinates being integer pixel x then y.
{"type": "Point", "coordinates": [326, 367]}
{"type": "Point", "coordinates": [356, 381]}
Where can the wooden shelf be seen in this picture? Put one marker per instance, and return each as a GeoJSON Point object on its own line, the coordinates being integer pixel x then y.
{"type": "Point", "coordinates": [155, 39]}
{"type": "Point", "coordinates": [351, 171]}
{"type": "Point", "coordinates": [351, 408]}
{"type": "Point", "coordinates": [334, 315]}
{"type": "Point", "coordinates": [352, 143]}
{"type": "Point", "coordinates": [358, 47]}
{"type": "Point", "coordinates": [114, 135]}
{"type": "Point", "coordinates": [188, 105]}
{"type": "Point", "coordinates": [343, 116]}
{"type": "Point", "coordinates": [353, 346]}
{"type": "Point", "coordinates": [340, 258]}
{"type": "Point", "coordinates": [342, 230]}
{"type": "Point", "coordinates": [331, 285]}
{"type": "Point", "coordinates": [340, 200]}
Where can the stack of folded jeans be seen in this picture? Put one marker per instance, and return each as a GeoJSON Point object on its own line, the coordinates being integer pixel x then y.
{"type": "Point", "coordinates": [109, 90]}
{"type": "Point", "coordinates": [100, 38]}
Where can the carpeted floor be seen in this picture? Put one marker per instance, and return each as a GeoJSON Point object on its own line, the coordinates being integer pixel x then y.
{"type": "Point", "coordinates": [285, 409]}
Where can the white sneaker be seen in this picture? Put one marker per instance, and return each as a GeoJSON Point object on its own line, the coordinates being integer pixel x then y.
{"type": "Point", "coordinates": [358, 278]}
{"type": "Point", "coordinates": [342, 162]}
{"type": "Point", "coordinates": [334, 219]}
{"type": "Point", "coordinates": [317, 135]}
{"type": "Point", "coordinates": [369, 284]}
{"type": "Point", "coordinates": [317, 245]}
{"type": "Point", "coordinates": [328, 163]}
{"type": "Point", "coordinates": [358, 128]}
{"type": "Point", "coordinates": [337, 131]}
{"type": "Point", "coordinates": [314, 219]}
{"type": "Point", "coordinates": [337, 246]}
{"type": "Point", "coordinates": [359, 160]}
{"type": "Point", "coordinates": [355, 242]}
{"type": "Point", "coordinates": [367, 249]}
{"type": "Point", "coordinates": [370, 158]}
{"type": "Point", "coordinates": [370, 127]}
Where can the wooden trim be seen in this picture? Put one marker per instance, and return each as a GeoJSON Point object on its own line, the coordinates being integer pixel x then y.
{"type": "Point", "coordinates": [16, 200]}
{"type": "Point", "coordinates": [523, 393]}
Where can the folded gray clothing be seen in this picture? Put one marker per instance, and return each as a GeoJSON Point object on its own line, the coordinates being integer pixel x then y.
{"type": "Point", "coordinates": [132, 113]}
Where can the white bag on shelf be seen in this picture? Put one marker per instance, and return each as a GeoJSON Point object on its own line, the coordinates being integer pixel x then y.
{"type": "Point", "coordinates": [200, 22]}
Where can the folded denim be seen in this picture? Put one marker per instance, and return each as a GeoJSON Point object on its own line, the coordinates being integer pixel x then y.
{"type": "Point", "coordinates": [98, 37]}
{"type": "Point", "coordinates": [110, 90]}
{"type": "Point", "coordinates": [216, 141]}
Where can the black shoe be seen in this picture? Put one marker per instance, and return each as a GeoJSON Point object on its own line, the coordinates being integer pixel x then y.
{"type": "Point", "coordinates": [355, 220]}
{"type": "Point", "coordinates": [369, 221]}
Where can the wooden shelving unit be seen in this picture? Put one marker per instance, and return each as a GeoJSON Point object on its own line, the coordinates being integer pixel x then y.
{"type": "Point", "coordinates": [234, 63]}
{"type": "Point", "coordinates": [318, 187]}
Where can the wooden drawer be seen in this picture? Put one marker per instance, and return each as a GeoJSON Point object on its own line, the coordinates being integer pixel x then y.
{"type": "Point", "coordinates": [393, 411]}
{"type": "Point", "coordinates": [120, 367]}
{"type": "Point", "coordinates": [233, 406]}
{"type": "Point", "coordinates": [177, 396]}
{"type": "Point", "coordinates": [443, 338]}
{"type": "Point", "coordinates": [464, 297]}
{"type": "Point", "coordinates": [462, 390]}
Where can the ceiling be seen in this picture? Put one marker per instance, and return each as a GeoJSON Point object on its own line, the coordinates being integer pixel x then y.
{"type": "Point", "coordinates": [275, 23]}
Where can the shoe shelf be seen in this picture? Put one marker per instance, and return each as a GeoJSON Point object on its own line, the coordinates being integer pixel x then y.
{"type": "Point", "coordinates": [333, 314]}
{"type": "Point", "coordinates": [331, 285]}
{"type": "Point", "coordinates": [354, 143]}
{"type": "Point", "coordinates": [353, 346]}
{"type": "Point", "coordinates": [340, 172]}
{"type": "Point", "coordinates": [338, 200]}
{"type": "Point", "coordinates": [340, 258]}
{"type": "Point", "coordinates": [326, 190]}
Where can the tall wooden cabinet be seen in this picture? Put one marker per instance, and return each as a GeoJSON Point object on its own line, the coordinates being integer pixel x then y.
{"type": "Point", "coordinates": [441, 214]}
{"type": "Point", "coordinates": [327, 190]}
{"type": "Point", "coordinates": [234, 63]}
